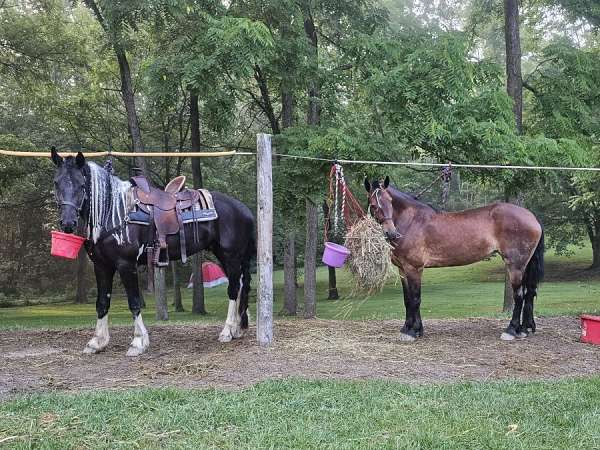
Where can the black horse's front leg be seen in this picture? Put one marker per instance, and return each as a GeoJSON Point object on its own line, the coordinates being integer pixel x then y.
{"type": "Point", "coordinates": [413, 326]}
{"type": "Point", "coordinates": [104, 280]}
{"type": "Point", "coordinates": [129, 277]}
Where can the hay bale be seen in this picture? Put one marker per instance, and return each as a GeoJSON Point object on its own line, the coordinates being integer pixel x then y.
{"type": "Point", "coordinates": [370, 260]}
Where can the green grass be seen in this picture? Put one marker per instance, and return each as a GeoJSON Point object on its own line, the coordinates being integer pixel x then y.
{"type": "Point", "coordinates": [314, 414]}
{"type": "Point", "coordinates": [468, 291]}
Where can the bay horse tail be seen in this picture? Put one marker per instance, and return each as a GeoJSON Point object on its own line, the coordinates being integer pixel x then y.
{"type": "Point", "coordinates": [534, 272]}
{"type": "Point", "coordinates": [249, 254]}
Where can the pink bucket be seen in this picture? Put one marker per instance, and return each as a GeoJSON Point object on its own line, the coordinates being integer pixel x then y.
{"type": "Point", "coordinates": [66, 245]}
{"type": "Point", "coordinates": [335, 255]}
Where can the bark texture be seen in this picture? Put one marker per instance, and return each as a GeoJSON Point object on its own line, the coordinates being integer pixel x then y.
{"type": "Point", "coordinates": [310, 261]}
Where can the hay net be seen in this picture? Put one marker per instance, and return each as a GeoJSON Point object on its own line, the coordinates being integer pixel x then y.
{"type": "Point", "coordinates": [370, 260]}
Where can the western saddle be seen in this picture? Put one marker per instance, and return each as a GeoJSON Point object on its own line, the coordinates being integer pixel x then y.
{"type": "Point", "coordinates": [168, 211]}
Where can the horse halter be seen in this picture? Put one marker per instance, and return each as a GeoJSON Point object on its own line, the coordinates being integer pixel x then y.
{"type": "Point", "coordinates": [79, 207]}
{"type": "Point", "coordinates": [376, 194]}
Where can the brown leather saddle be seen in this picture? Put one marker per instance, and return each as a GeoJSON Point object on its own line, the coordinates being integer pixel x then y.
{"type": "Point", "coordinates": [166, 210]}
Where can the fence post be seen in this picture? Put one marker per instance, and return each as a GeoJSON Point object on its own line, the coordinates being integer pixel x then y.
{"type": "Point", "coordinates": [264, 213]}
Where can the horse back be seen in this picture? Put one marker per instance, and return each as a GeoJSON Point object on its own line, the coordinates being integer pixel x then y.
{"type": "Point", "coordinates": [464, 237]}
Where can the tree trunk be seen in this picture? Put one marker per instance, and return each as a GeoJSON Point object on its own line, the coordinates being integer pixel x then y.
{"type": "Point", "coordinates": [595, 253]}
{"type": "Point", "coordinates": [514, 82]}
{"type": "Point", "coordinates": [198, 304]}
{"type": "Point", "coordinates": [129, 101]}
{"type": "Point", "coordinates": [82, 287]}
{"type": "Point", "coordinates": [160, 293]}
{"type": "Point", "coordinates": [177, 302]}
{"type": "Point", "coordinates": [310, 261]}
{"type": "Point", "coordinates": [594, 235]}
{"type": "Point", "coordinates": [195, 139]}
{"type": "Point", "coordinates": [289, 275]}
{"type": "Point", "coordinates": [287, 96]}
{"type": "Point", "coordinates": [287, 106]}
{"type": "Point", "coordinates": [266, 104]}
{"type": "Point", "coordinates": [314, 90]}
{"type": "Point", "coordinates": [150, 277]}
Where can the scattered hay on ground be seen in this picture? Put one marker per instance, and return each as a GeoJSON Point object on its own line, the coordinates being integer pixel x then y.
{"type": "Point", "coordinates": [370, 260]}
{"type": "Point", "coordinates": [191, 356]}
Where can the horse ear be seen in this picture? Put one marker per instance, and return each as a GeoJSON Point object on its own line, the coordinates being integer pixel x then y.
{"type": "Point", "coordinates": [80, 160]}
{"type": "Point", "coordinates": [386, 182]}
{"type": "Point", "coordinates": [56, 158]}
{"type": "Point", "coordinates": [367, 185]}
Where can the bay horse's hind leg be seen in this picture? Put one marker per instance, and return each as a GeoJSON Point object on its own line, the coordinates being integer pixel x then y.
{"type": "Point", "coordinates": [141, 341]}
{"type": "Point", "coordinates": [514, 328]}
{"type": "Point", "coordinates": [104, 280]}
{"type": "Point", "coordinates": [528, 320]}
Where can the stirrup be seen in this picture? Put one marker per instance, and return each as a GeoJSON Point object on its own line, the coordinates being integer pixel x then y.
{"type": "Point", "coordinates": [157, 251]}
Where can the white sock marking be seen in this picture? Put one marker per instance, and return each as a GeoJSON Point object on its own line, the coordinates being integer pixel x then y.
{"type": "Point", "coordinates": [140, 341]}
{"type": "Point", "coordinates": [230, 323]}
{"type": "Point", "coordinates": [101, 337]}
{"type": "Point", "coordinates": [232, 328]}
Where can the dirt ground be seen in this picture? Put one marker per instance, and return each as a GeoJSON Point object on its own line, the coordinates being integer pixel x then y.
{"type": "Point", "coordinates": [191, 356]}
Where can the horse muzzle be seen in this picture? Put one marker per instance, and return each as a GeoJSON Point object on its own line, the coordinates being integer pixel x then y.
{"type": "Point", "coordinates": [68, 227]}
{"type": "Point", "coordinates": [392, 235]}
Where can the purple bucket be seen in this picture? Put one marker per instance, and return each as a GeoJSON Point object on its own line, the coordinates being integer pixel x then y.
{"type": "Point", "coordinates": [335, 255]}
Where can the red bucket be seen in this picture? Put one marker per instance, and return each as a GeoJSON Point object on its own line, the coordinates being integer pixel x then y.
{"type": "Point", "coordinates": [590, 329]}
{"type": "Point", "coordinates": [66, 245]}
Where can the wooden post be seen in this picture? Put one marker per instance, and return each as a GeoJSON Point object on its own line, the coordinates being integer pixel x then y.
{"type": "Point", "coordinates": [264, 213]}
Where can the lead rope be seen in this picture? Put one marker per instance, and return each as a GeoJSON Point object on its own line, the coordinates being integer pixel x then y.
{"type": "Point", "coordinates": [446, 178]}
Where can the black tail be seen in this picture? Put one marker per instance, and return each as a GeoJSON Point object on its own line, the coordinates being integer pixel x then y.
{"type": "Point", "coordinates": [246, 279]}
{"type": "Point", "coordinates": [534, 272]}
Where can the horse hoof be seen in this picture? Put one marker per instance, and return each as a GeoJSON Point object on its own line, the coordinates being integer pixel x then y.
{"type": "Point", "coordinates": [237, 333]}
{"type": "Point", "coordinates": [507, 337]}
{"type": "Point", "coordinates": [407, 338]}
{"type": "Point", "coordinates": [225, 337]}
{"type": "Point", "coordinates": [135, 351]}
{"type": "Point", "coordinates": [90, 350]}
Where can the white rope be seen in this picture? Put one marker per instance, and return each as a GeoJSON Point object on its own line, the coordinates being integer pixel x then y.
{"type": "Point", "coordinates": [336, 198]}
{"type": "Point", "coordinates": [343, 180]}
{"type": "Point", "coordinates": [308, 158]}
{"type": "Point", "coordinates": [428, 164]}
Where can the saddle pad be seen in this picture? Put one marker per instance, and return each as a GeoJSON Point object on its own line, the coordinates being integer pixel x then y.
{"type": "Point", "coordinates": [140, 217]}
{"type": "Point", "coordinates": [206, 200]}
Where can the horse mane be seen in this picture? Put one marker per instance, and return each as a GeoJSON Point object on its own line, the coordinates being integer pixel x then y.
{"type": "Point", "coordinates": [410, 198]}
{"type": "Point", "coordinates": [110, 200]}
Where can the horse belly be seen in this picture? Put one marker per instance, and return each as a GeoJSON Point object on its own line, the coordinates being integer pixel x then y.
{"type": "Point", "coordinates": [459, 249]}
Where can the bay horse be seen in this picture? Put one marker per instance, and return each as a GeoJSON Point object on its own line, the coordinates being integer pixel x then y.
{"type": "Point", "coordinates": [423, 237]}
{"type": "Point", "coordinates": [92, 199]}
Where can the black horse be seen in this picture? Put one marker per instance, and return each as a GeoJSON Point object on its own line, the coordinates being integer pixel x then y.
{"type": "Point", "coordinates": [95, 201]}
